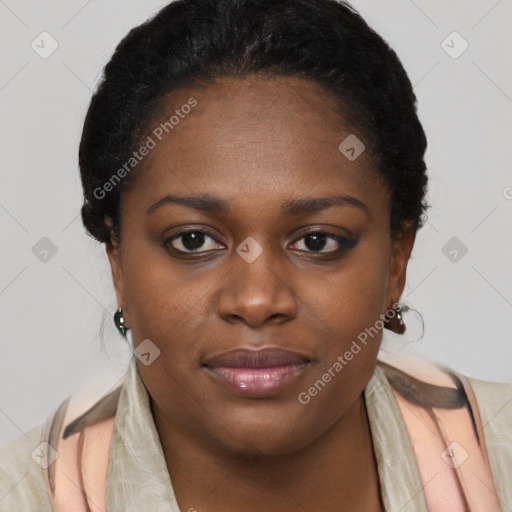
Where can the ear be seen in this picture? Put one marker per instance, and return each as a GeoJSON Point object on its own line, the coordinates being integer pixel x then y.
{"type": "Point", "coordinates": [401, 251]}
{"type": "Point", "coordinates": [113, 250]}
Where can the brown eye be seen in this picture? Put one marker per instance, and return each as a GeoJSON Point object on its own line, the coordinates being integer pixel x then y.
{"type": "Point", "coordinates": [192, 241]}
{"type": "Point", "coordinates": [317, 241]}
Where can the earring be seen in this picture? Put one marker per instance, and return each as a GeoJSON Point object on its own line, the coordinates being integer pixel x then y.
{"type": "Point", "coordinates": [396, 323]}
{"type": "Point", "coordinates": [120, 323]}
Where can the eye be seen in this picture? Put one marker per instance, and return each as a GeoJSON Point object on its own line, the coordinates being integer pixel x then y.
{"type": "Point", "coordinates": [191, 241]}
{"type": "Point", "coordinates": [199, 241]}
{"type": "Point", "coordinates": [317, 241]}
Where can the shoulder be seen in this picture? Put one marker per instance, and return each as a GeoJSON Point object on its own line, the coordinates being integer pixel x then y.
{"type": "Point", "coordinates": [442, 389]}
{"type": "Point", "coordinates": [22, 483]}
{"type": "Point", "coordinates": [494, 401]}
{"type": "Point", "coordinates": [25, 460]}
{"type": "Point", "coordinates": [493, 397]}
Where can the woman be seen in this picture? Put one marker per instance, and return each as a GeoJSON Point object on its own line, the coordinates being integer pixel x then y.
{"type": "Point", "coordinates": [256, 171]}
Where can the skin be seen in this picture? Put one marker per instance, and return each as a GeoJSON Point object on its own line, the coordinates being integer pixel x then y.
{"type": "Point", "coordinates": [256, 142]}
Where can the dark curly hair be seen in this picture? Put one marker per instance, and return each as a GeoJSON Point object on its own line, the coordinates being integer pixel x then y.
{"type": "Point", "coordinates": [190, 42]}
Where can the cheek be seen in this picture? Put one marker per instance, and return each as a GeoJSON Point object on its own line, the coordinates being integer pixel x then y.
{"type": "Point", "coordinates": [353, 296]}
{"type": "Point", "coordinates": [171, 307]}
{"type": "Point", "coordinates": [161, 296]}
{"type": "Point", "coordinates": [348, 308]}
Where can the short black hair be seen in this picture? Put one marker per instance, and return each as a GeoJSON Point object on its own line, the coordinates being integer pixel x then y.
{"type": "Point", "coordinates": [194, 41]}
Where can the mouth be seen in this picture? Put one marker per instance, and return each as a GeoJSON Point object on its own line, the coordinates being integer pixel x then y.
{"type": "Point", "coordinates": [257, 373]}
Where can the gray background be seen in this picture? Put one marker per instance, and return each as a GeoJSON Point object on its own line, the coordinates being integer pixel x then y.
{"type": "Point", "coordinates": [52, 312]}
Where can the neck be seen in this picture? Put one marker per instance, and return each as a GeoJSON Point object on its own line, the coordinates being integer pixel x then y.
{"type": "Point", "coordinates": [335, 472]}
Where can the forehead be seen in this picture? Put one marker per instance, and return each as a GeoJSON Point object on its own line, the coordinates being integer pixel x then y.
{"type": "Point", "coordinates": [254, 136]}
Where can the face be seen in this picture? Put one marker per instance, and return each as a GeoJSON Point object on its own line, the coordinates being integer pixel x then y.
{"type": "Point", "coordinates": [252, 289]}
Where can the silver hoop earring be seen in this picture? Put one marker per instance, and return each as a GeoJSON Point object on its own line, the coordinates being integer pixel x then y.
{"type": "Point", "coordinates": [396, 323]}
{"type": "Point", "coordinates": [415, 324]}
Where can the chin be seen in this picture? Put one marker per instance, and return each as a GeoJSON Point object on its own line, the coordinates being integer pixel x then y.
{"type": "Point", "coordinates": [280, 435]}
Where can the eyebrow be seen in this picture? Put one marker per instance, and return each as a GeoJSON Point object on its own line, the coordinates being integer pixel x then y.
{"type": "Point", "coordinates": [297, 206]}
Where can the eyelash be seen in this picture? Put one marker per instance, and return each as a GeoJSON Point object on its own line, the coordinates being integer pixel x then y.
{"type": "Point", "coordinates": [345, 243]}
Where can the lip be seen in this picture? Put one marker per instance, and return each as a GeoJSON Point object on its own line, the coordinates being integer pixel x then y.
{"type": "Point", "coordinates": [259, 372]}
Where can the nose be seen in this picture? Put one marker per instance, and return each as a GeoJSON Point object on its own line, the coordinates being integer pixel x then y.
{"type": "Point", "coordinates": [256, 293]}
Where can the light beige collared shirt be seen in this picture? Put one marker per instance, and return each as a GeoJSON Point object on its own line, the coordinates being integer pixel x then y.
{"type": "Point", "coordinates": [138, 479]}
